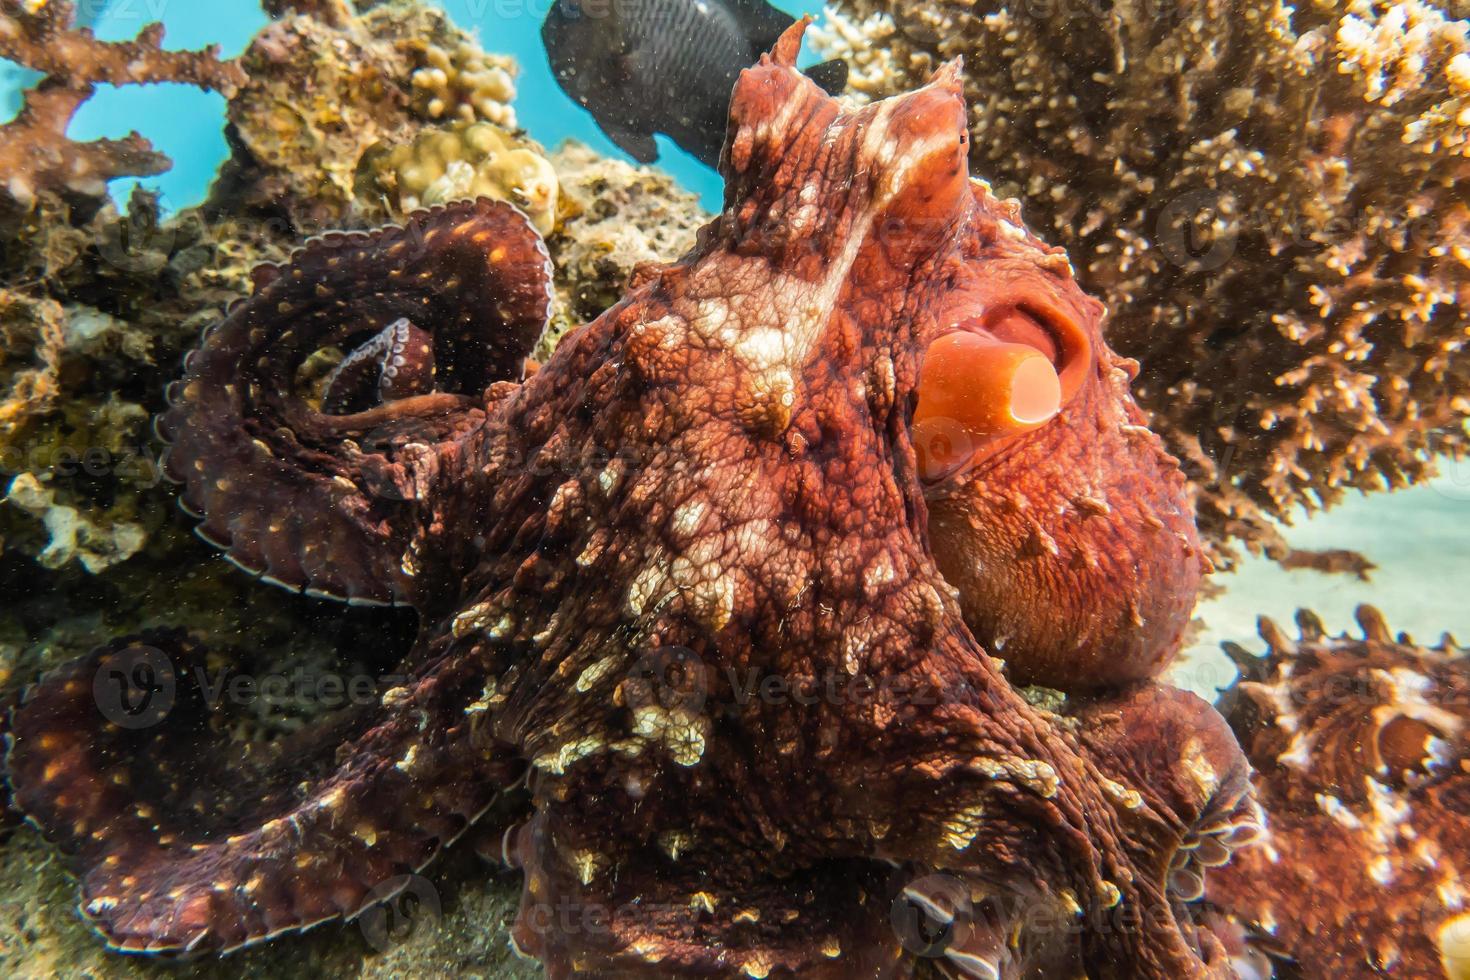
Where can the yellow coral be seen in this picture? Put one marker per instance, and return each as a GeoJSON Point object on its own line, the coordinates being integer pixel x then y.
{"type": "Point", "coordinates": [467, 84]}
{"type": "Point", "coordinates": [321, 93]}
{"type": "Point", "coordinates": [464, 161]}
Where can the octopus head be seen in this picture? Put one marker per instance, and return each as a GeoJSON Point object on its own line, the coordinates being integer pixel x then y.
{"type": "Point", "coordinates": [1057, 515]}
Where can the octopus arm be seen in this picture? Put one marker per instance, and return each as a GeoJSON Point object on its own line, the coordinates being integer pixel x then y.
{"type": "Point", "coordinates": [433, 315]}
{"type": "Point", "coordinates": [678, 904]}
{"type": "Point", "coordinates": [176, 854]}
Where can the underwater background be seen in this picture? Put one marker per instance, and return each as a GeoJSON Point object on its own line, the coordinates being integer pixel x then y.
{"type": "Point", "coordinates": [187, 124]}
{"type": "Point", "coordinates": [91, 555]}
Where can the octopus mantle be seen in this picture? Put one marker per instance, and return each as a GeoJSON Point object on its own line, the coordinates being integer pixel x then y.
{"type": "Point", "coordinates": [688, 595]}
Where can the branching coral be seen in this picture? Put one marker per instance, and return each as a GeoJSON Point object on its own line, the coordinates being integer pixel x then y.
{"type": "Point", "coordinates": [35, 152]}
{"type": "Point", "coordinates": [1272, 197]}
{"type": "Point", "coordinates": [322, 92]}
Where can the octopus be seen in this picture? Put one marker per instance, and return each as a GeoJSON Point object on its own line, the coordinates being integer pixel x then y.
{"type": "Point", "coordinates": [1363, 769]}
{"type": "Point", "coordinates": [724, 610]}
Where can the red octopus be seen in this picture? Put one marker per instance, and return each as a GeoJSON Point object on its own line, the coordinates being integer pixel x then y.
{"type": "Point", "coordinates": [715, 597]}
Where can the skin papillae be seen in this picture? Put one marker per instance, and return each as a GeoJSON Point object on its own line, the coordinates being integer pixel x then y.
{"type": "Point", "coordinates": [678, 587]}
{"type": "Point", "coordinates": [1363, 763]}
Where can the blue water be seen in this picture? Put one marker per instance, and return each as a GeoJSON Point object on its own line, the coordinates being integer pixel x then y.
{"type": "Point", "coordinates": [188, 124]}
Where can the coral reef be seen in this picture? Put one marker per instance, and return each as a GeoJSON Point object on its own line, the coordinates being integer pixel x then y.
{"type": "Point", "coordinates": [30, 359]}
{"type": "Point", "coordinates": [1330, 561]}
{"type": "Point", "coordinates": [322, 92]}
{"type": "Point", "coordinates": [462, 82]}
{"type": "Point", "coordinates": [1361, 746]}
{"type": "Point", "coordinates": [683, 491]}
{"type": "Point", "coordinates": [455, 164]}
{"type": "Point", "coordinates": [94, 316]}
{"type": "Point", "coordinates": [73, 536]}
{"type": "Point", "coordinates": [615, 218]}
{"type": "Point", "coordinates": [336, 13]}
{"type": "Point", "coordinates": [35, 153]}
{"type": "Point", "coordinates": [1271, 197]}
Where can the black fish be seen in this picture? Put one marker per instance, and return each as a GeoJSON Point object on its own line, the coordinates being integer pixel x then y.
{"type": "Point", "coordinates": [664, 66]}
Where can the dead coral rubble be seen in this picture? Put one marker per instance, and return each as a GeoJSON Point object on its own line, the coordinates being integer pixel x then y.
{"type": "Point", "coordinates": [35, 152]}
{"type": "Point", "coordinates": [1274, 199]}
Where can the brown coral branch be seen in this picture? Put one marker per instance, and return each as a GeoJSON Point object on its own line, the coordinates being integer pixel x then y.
{"type": "Point", "coordinates": [35, 153]}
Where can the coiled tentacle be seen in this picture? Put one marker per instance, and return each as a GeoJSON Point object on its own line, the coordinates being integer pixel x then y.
{"type": "Point", "coordinates": [184, 841]}
{"type": "Point", "coordinates": [317, 500]}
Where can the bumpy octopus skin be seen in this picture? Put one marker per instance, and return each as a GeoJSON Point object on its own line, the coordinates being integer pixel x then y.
{"type": "Point", "coordinates": [1361, 746]}
{"type": "Point", "coordinates": [679, 589]}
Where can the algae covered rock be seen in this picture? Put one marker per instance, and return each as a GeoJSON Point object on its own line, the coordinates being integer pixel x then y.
{"type": "Point", "coordinates": [615, 217]}
{"type": "Point", "coordinates": [321, 92]}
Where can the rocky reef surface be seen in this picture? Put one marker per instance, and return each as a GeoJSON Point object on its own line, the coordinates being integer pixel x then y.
{"type": "Point", "coordinates": [99, 303]}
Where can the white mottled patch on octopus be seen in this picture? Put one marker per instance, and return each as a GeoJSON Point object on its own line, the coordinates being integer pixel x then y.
{"type": "Point", "coordinates": [762, 348]}
{"type": "Point", "coordinates": [854, 649]}
{"type": "Point", "coordinates": [772, 129]}
{"type": "Point", "coordinates": [648, 585]}
{"type": "Point", "coordinates": [559, 760]}
{"type": "Point", "coordinates": [878, 574]}
{"type": "Point", "coordinates": [680, 732]}
{"type": "Point", "coordinates": [667, 332]}
{"type": "Point", "coordinates": [593, 673]}
{"type": "Point", "coordinates": [1298, 754]}
{"type": "Point", "coordinates": [1012, 231]}
{"type": "Point", "coordinates": [708, 586]}
{"type": "Point", "coordinates": [610, 478]}
{"type": "Point", "coordinates": [688, 517]}
{"type": "Point", "coordinates": [1340, 814]}
{"type": "Point", "coordinates": [755, 539]}
{"type": "Point", "coordinates": [961, 829]}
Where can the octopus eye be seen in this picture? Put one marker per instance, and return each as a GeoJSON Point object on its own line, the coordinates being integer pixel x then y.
{"type": "Point", "coordinates": [997, 375]}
